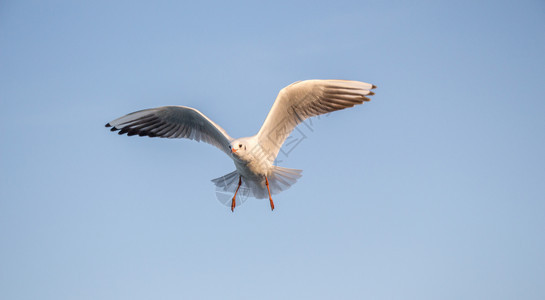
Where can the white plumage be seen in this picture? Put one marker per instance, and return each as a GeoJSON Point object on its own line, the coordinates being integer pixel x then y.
{"type": "Point", "coordinates": [253, 156]}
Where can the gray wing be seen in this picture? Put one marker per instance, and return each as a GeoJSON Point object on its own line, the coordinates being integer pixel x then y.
{"type": "Point", "coordinates": [305, 99]}
{"type": "Point", "coordinates": [173, 122]}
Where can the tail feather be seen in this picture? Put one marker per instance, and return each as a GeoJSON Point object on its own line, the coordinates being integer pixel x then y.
{"type": "Point", "coordinates": [280, 180]}
{"type": "Point", "coordinates": [227, 181]}
{"type": "Point", "coordinates": [227, 185]}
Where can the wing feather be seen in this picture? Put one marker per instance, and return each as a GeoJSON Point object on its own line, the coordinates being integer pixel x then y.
{"type": "Point", "coordinates": [304, 99]}
{"type": "Point", "coordinates": [173, 122]}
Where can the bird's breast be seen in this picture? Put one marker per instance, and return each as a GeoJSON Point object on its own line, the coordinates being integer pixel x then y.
{"type": "Point", "coordinates": [254, 169]}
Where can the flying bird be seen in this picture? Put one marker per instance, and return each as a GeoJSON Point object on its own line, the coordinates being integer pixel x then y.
{"type": "Point", "coordinates": [253, 156]}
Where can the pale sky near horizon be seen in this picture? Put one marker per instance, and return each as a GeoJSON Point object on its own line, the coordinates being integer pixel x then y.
{"type": "Point", "coordinates": [433, 190]}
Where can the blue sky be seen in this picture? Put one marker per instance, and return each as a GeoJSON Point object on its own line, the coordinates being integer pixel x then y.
{"type": "Point", "coordinates": [433, 190]}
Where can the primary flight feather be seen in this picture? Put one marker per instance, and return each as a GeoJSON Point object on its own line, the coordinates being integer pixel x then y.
{"type": "Point", "coordinates": [253, 156]}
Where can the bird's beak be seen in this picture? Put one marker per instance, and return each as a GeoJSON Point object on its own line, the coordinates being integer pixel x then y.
{"type": "Point", "coordinates": [233, 150]}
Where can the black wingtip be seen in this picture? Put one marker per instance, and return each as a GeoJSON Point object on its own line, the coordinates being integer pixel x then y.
{"type": "Point", "coordinates": [123, 130]}
{"type": "Point", "coordinates": [374, 86]}
{"type": "Point", "coordinates": [132, 132]}
{"type": "Point", "coordinates": [107, 125]}
{"type": "Point", "coordinates": [371, 93]}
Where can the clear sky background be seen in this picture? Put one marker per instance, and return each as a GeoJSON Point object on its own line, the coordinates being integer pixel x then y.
{"type": "Point", "coordinates": [433, 190]}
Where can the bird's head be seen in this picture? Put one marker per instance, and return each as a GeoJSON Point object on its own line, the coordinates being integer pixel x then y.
{"type": "Point", "coordinates": [238, 147]}
{"type": "Point", "coordinates": [241, 149]}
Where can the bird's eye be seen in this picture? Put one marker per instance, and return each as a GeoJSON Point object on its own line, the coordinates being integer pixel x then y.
{"type": "Point", "coordinates": [229, 147]}
{"type": "Point", "coordinates": [240, 145]}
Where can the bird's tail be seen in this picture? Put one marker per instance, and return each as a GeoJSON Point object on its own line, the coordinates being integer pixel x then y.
{"type": "Point", "coordinates": [279, 180]}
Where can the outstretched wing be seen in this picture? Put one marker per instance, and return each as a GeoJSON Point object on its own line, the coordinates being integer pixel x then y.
{"type": "Point", "coordinates": [305, 99]}
{"type": "Point", "coordinates": [173, 122]}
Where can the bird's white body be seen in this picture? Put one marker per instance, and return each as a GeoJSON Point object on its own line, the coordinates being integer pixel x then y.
{"type": "Point", "coordinates": [248, 162]}
{"type": "Point", "coordinates": [252, 163]}
{"type": "Point", "coordinates": [253, 156]}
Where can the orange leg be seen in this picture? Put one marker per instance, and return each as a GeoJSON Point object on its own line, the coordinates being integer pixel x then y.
{"type": "Point", "coordinates": [233, 202]}
{"type": "Point", "coordinates": [269, 190]}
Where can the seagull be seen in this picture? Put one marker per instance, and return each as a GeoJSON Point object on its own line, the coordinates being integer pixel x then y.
{"type": "Point", "coordinates": [253, 156]}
